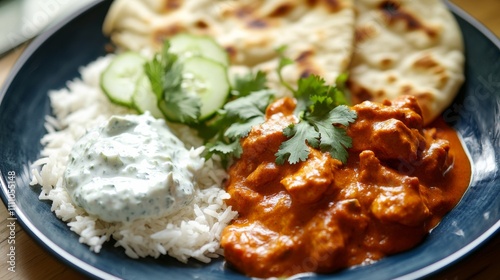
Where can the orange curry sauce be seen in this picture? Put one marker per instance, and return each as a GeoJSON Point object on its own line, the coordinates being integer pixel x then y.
{"type": "Point", "coordinates": [321, 216]}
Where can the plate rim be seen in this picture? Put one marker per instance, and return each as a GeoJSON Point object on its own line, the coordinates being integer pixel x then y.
{"type": "Point", "coordinates": [50, 246]}
{"type": "Point", "coordinates": [91, 271]}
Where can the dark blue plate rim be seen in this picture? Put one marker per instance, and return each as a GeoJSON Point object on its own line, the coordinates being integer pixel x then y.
{"type": "Point", "coordinates": [50, 246]}
{"type": "Point", "coordinates": [21, 217]}
{"type": "Point", "coordinates": [495, 229]}
{"type": "Point", "coordinates": [90, 270]}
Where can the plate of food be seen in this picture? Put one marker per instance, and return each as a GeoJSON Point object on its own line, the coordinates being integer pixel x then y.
{"type": "Point", "coordinates": [256, 139]}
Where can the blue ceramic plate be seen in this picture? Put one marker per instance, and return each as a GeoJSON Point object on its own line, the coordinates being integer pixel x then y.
{"type": "Point", "coordinates": [55, 56]}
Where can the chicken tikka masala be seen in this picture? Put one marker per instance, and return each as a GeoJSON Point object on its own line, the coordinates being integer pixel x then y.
{"type": "Point", "coordinates": [320, 215]}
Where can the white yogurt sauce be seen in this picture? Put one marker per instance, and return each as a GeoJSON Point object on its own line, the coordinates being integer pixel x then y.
{"type": "Point", "coordinates": [131, 167]}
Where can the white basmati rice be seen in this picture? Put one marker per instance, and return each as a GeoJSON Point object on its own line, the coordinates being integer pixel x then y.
{"type": "Point", "coordinates": [193, 232]}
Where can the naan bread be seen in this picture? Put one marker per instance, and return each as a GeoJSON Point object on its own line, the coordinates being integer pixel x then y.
{"type": "Point", "coordinates": [319, 34]}
{"type": "Point", "coordinates": [407, 47]}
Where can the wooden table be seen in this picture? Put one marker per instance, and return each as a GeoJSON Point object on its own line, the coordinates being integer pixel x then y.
{"type": "Point", "coordinates": [32, 262]}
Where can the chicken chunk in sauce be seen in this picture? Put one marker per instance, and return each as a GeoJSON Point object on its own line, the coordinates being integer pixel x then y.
{"type": "Point", "coordinates": [320, 215]}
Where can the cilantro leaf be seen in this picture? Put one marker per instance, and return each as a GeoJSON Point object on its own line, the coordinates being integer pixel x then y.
{"type": "Point", "coordinates": [334, 139]}
{"type": "Point", "coordinates": [249, 106]}
{"type": "Point", "coordinates": [226, 151]}
{"type": "Point", "coordinates": [177, 106]}
{"type": "Point", "coordinates": [220, 147]}
{"type": "Point", "coordinates": [321, 104]}
{"type": "Point", "coordinates": [310, 85]}
{"type": "Point", "coordinates": [295, 149]}
{"type": "Point", "coordinates": [248, 83]}
{"type": "Point", "coordinates": [241, 129]}
{"type": "Point", "coordinates": [154, 70]}
{"type": "Point", "coordinates": [307, 87]}
{"type": "Point", "coordinates": [342, 114]}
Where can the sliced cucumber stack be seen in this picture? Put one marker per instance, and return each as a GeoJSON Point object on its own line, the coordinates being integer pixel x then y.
{"type": "Point", "coordinates": [188, 45]}
{"type": "Point", "coordinates": [204, 75]}
{"type": "Point", "coordinates": [119, 79]}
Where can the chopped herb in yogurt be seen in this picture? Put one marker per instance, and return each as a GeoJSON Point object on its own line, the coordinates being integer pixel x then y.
{"type": "Point", "coordinates": [131, 167]}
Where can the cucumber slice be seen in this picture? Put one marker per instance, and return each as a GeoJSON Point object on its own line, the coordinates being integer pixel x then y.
{"type": "Point", "coordinates": [144, 99]}
{"type": "Point", "coordinates": [119, 79]}
{"type": "Point", "coordinates": [188, 45]}
{"type": "Point", "coordinates": [208, 79]}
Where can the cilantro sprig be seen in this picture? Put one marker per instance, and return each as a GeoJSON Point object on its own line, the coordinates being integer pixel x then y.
{"type": "Point", "coordinates": [165, 75]}
{"type": "Point", "coordinates": [323, 117]}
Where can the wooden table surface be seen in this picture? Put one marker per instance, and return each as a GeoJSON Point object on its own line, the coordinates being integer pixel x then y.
{"type": "Point", "coordinates": [32, 262]}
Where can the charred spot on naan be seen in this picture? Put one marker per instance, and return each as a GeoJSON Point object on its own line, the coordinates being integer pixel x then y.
{"type": "Point", "coordinates": [166, 32]}
{"type": "Point", "coordinates": [406, 89]}
{"type": "Point", "coordinates": [245, 13]}
{"type": "Point", "coordinates": [232, 52]}
{"type": "Point", "coordinates": [306, 64]}
{"type": "Point", "coordinates": [358, 92]}
{"type": "Point", "coordinates": [201, 24]}
{"type": "Point", "coordinates": [363, 33]}
{"type": "Point", "coordinates": [426, 61]}
{"type": "Point", "coordinates": [282, 10]}
{"type": "Point", "coordinates": [386, 63]}
{"type": "Point", "coordinates": [391, 79]}
{"type": "Point", "coordinates": [393, 13]}
{"type": "Point", "coordinates": [172, 5]}
{"type": "Point", "coordinates": [428, 64]}
{"type": "Point", "coordinates": [258, 23]}
{"type": "Point", "coordinates": [332, 6]}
